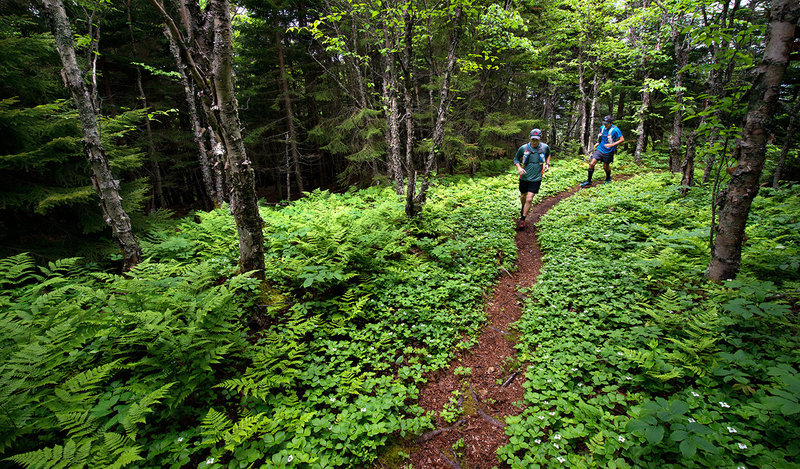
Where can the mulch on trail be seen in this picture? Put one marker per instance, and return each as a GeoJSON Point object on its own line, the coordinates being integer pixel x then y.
{"type": "Point", "coordinates": [494, 389]}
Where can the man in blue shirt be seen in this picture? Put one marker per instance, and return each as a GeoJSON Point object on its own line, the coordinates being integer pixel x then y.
{"type": "Point", "coordinates": [532, 161]}
{"type": "Point", "coordinates": [610, 136]}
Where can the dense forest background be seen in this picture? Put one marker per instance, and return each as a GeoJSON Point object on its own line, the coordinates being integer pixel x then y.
{"type": "Point", "coordinates": [339, 94]}
{"type": "Point", "coordinates": [245, 234]}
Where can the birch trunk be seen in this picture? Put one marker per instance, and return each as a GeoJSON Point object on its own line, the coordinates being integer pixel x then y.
{"type": "Point", "coordinates": [582, 106]}
{"type": "Point", "coordinates": [735, 202]}
{"type": "Point", "coordinates": [104, 183]}
{"type": "Point", "coordinates": [681, 60]}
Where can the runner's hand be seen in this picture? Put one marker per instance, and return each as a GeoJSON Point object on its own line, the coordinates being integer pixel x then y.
{"type": "Point", "coordinates": [521, 171]}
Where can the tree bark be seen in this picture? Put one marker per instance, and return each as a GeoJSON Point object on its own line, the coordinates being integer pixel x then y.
{"type": "Point", "coordinates": [287, 103]}
{"type": "Point", "coordinates": [104, 183]}
{"type": "Point", "coordinates": [582, 105]}
{"type": "Point", "coordinates": [391, 107]}
{"type": "Point", "coordinates": [158, 190]}
{"type": "Point", "coordinates": [687, 166]}
{"type": "Point", "coordinates": [785, 150]}
{"type": "Point", "coordinates": [681, 60]}
{"type": "Point", "coordinates": [414, 207]}
{"type": "Point", "coordinates": [736, 200]}
{"type": "Point", "coordinates": [210, 62]}
{"type": "Point", "coordinates": [214, 193]}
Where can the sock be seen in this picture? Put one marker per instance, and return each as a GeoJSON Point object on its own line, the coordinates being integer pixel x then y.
{"type": "Point", "coordinates": [608, 175]}
{"type": "Point", "coordinates": [591, 171]}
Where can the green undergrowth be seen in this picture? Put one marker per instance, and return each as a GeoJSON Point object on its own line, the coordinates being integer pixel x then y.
{"type": "Point", "coordinates": [181, 363]}
{"type": "Point", "coordinates": [635, 360]}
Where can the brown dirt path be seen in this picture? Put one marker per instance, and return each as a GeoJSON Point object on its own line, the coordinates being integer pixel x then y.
{"type": "Point", "coordinates": [490, 393]}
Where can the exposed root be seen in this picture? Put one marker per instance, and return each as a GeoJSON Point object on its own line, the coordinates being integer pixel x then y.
{"type": "Point", "coordinates": [453, 464]}
{"type": "Point", "coordinates": [483, 414]}
{"type": "Point", "coordinates": [510, 379]}
{"type": "Point", "coordinates": [427, 436]}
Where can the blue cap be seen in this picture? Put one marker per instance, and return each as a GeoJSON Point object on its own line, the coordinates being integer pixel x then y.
{"type": "Point", "coordinates": [536, 133]}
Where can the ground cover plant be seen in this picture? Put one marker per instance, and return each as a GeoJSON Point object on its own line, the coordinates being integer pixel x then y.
{"type": "Point", "coordinates": [635, 360]}
{"type": "Point", "coordinates": [169, 366]}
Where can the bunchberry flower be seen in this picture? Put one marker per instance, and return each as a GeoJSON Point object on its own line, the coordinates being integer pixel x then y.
{"type": "Point", "coordinates": [557, 436]}
{"type": "Point", "coordinates": [621, 439]}
{"type": "Point", "coordinates": [742, 446]}
{"type": "Point", "coordinates": [210, 461]}
{"type": "Point", "coordinates": [561, 459]}
{"type": "Point", "coordinates": [731, 430]}
{"type": "Point", "coordinates": [695, 394]}
{"type": "Point", "coordinates": [290, 458]}
{"type": "Point", "coordinates": [691, 420]}
{"type": "Point", "coordinates": [724, 404]}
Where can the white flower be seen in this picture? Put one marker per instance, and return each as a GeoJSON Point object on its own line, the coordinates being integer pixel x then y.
{"type": "Point", "coordinates": [723, 404]}
{"type": "Point", "coordinates": [333, 349]}
{"type": "Point", "coordinates": [620, 354]}
{"type": "Point", "coordinates": [549, 380]}
{"type": "Point", "coordinates": [691, 420]}
{"type": "Point", "coordinates": [555, 445]}
{"type": "Point", "coordinates": [180, 439]}
{"type": "Point", "coordinates": [695, 394]}
{"type": "Point", "coordinates": [580, 385]}
{"type": "Point", "coordinates": [731, 430]}
{"type": "Point", "coordinates": [557, 436]}
{"type": "Point", "coordinates": [573, 369]}
{"type": "Point", "coordinates": [210, 461]}
{"type": "Point", "coordinates": [537, 441]}
{"type": "Point", "coordinates": [742, 446]}
{"type": "Point", "coordinates": [333, 399]}
{"type": "Point", "coordinates": [290, 458]}
{"type": "Point", "coordinates": [552, 413]}
{"type": "Point", "coordinates": [541, 417]}
{"type": "Point", "coordinates": [628, 378]}
{"type": "Point", "coordinates": [561, 459]}
{"type": "Point", "coordinates": [363, 409]}
{"type": "Point", "coordinates": [597, 350]}
{"type": "Point", "coordinates": [741, 467]}
{"type": "Point", "coordinates": [546, 402]}
{"type": "Point", "coordinates": [621, 439]}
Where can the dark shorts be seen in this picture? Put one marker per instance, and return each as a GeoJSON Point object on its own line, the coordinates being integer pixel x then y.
{"type": "Point", "coordinates": [604, 157]}
{"type": "Point", "coordinates": [528, 186]}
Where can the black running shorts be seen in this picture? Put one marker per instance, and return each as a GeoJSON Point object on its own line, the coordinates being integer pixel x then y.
{"type": "Point", "coordinates": [604, 157]}
{"type": "Point", "coordinates": [529, 186]}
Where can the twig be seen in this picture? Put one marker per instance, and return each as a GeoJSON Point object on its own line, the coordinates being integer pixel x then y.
{"type": "Point", "coordinates": [506, 271]}
{"type": "Point", "coordinates": [510, 379]}
{"type": "Point", "coordinates": [498, 330]}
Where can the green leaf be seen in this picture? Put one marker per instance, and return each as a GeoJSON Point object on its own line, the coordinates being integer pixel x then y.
{"type": "Point", "coordinates": [688, 448]}
{"type": "Point", "coordinates": [654, 435]}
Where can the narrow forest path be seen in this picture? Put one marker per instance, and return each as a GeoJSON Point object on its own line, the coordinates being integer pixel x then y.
{"type": "Point", "coordinates": [488, 394]}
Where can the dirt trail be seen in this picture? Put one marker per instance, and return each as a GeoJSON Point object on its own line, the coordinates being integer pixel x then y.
{"type": "Point", "coordinates": [489, 393]}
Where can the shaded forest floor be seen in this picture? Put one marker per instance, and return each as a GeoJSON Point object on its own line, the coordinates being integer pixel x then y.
{"type": "Point", "coordinates": [493, 388]}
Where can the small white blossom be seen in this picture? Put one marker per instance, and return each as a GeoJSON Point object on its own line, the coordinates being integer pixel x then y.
{"type": "Point", "coordinates": [597, 350]}
{"type": "Point", "coordinates": [210, 461]}
{"type": "Point", "coordinates": [691, 420]}
{"type": "Point", "coordinates": [549, 380]}
{"type": "Point", "coordinates": [741, 467]}
{"type": "Point", "coordinates": [580, 385]}
{"type": "Point", "coordinates": [628, 378]}
{"type": "Point", "coordinates": [555, 445]}
{"type": "Point", "coordinates": [333, 399]}
{"type": "Point", "coordinates": [537, 441]}
{"type": "Point", "coordinates": [180, 439]}
{"type": "Point", "coordinates": [573, 369]}
{"type": "Point", "coordinates": [695, 394]}
{"type": "Point", "coordinates": [552, 413]}
{"type": "Point", "coordinates": [620, 354]}
{"type": "Point", "coordinates": [290, 458]}
{"type": "Point", "coordinates": [742, 446]}
{"type": "Point", "coordinates": [557, 436]}
{"type": "Point", "coordinates": [546, 402]}
{"type": "Point", "coordinates": [541, 417]}
{"type": "Point", "coordinates": [732, 430]}
{"type": "Point", "coordinates": [621, 439]}
{"type": "Point", "coordinates": [561, 459]}
{"type": "Point", "coordinates": [724, 404]}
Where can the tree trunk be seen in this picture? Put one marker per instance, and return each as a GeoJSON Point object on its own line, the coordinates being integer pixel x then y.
{"type": "Point", "coordinates": [681, 60]}
{"type": "Point", "coordinates": [209, 181]}
{"type": "Point", "coordinates": [590, 126]}
{"type": "Point", "coordinates": [244, 200]}
{"type": "Point", "coordinates": [640, 130]}
{"type": "Point", "coordinates": [158, 191]}
{"type": "Point", "coordinates": [415, 206]}
{"type": "Point", "coordinates": [687, 166]}
{"type": "Point", "coordinates": [104, 183]}
{"type": "Point", "coordinates": [211, 65]}
{"type": "Point", "coordinates": [287, 102]}
{"type": "Point", "coordinates": [391, 107]}
{"type": "Point", "coordinates": [785, 150]}
{"type": "Point", "coordinates": [582, 105]}
{"type": "Point", "coordinates": [735, 201]}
